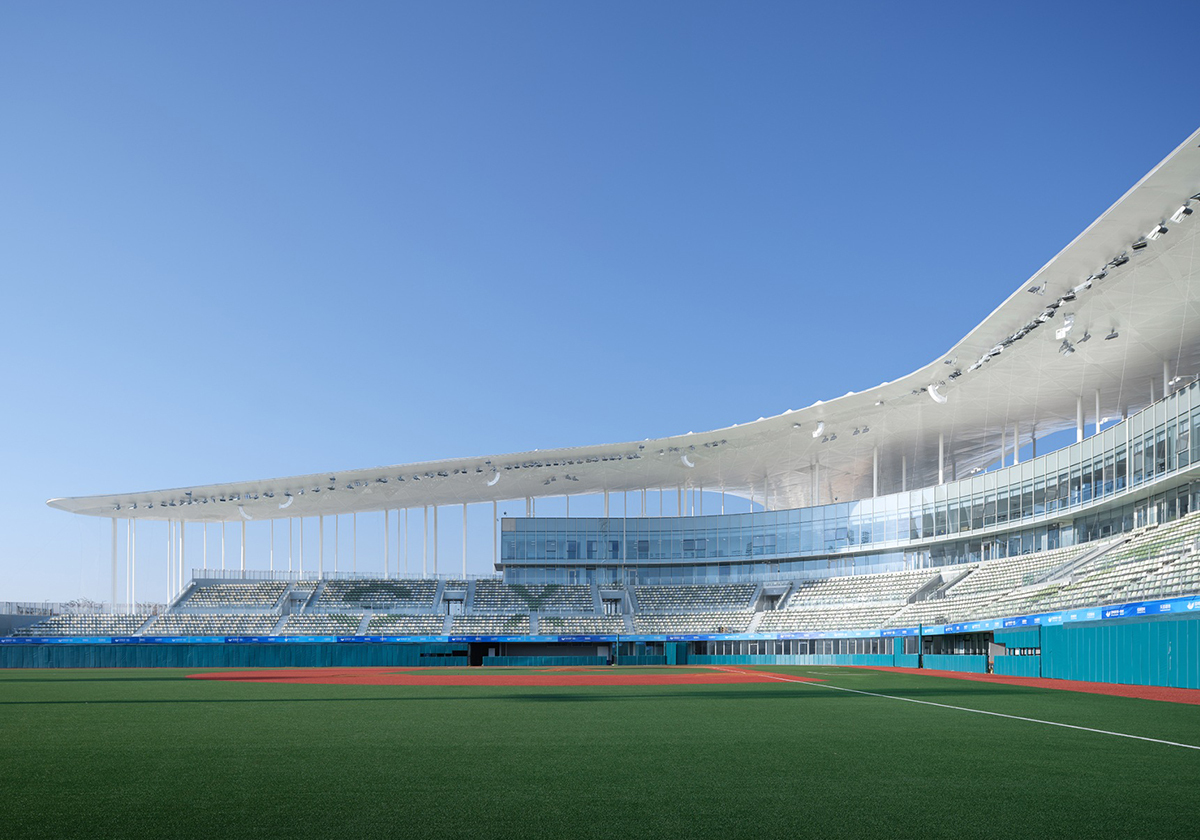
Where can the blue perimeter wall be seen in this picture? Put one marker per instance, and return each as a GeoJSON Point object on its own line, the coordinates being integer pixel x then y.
{"type": "Point", "coordinates": [1153, 652]}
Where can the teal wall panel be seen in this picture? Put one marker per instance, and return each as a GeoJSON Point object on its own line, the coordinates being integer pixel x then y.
{"type": "Point", "coordinates": [1024, 637]}
{"type": "Point", "coordinates": [540, 661]}
{"type": "Point", "coordinates": [1018, 666]}
{"type": "Point", "coordinates": [1163, 653]}
{"type": "Point", "coordinates": [906, 660]}
{"type": "Point", "coordinates": [229, 656]}
{"type": "Point", "coordinates": [955, 662]}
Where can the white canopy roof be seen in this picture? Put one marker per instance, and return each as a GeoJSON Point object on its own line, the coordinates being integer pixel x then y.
{"type": "Point", "coordinates": [1012, 368]}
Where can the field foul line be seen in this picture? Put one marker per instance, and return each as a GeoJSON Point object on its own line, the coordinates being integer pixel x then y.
{"type": "Point", "coordinates": [965, 709]}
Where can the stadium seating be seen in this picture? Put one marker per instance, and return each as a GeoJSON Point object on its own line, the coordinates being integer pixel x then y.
{"type": "Point", "coordinates": [695, 598]}
{"type": "Point", "coordinates": [492, 596]}
{"type": "Point", "coordinates": [78, 624]}
{"type": "Point", "coordinates": [406, 625]}
{"type": "Point", "coordinates": [825, 618]}
{"type": "Point", "coordinates": [389, 595]}
{"type": "Point", "coordinates": [263, 594]}
{"type": "Point", "coordinates": [890, 587]}
{"type": "Point", "coordinates": [484, 625]}
{"type": "Point", "coordinates": [711, 622]}
{"type": "Point", "coordinates": [322, 625]}
{"type": "Point", "coordinates": [185, 624]}
{"type": "Point", "coordinates": [552, 625]}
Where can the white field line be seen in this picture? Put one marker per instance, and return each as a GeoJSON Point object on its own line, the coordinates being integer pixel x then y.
{"type": "Point", "coordinates": [963, 708]}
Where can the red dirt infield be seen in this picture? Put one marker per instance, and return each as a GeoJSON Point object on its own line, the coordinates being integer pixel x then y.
{"type": "Point", "coordinates": [1140, 692]}
{"type": "Point", "coordinates": [489, 677]}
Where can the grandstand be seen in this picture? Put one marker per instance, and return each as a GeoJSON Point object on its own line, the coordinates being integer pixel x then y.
{"type": "Point", "coordinates": [1043, 472]}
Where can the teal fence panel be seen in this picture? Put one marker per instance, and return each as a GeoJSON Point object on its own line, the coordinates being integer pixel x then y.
{"type": "Point", "coordinates": [1024, 637]}
{"type": "Point", "coordinates": [644, 659]}
{"type": "Point", "coordinates": [867, 659]}
{"type": "Point", "coordinates": [541, 661]}
{"type": "Point", "coordinates": [296, 655]}
{"type": "Point", "coordinates": [1153, 652]}
{"type": "Point", "coordinates": [1017, 666]}
{"type": "Point", "coordinates": [906, 660]}
{"type": "Point", "coordinates": [955, 662]}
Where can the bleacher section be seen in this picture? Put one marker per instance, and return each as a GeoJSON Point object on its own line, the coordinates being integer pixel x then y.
{"type": "Point", "coordinates": [489, 625]}
{"type": "Point", "coordinates": [74, 624]}
{"type": "Point", "coordinates": [825, 618]}
{"type": "Point", "coordinates": [406, 625]}
{"type": "Point", "coordinates": [891, 587]}
{"type": "Point", "coordinates": [553, 625]}
{"type": "Point", "coordinates": [261, 594]}
{"type": "Point", "coordinates": [713, 622]}
{"type": "Point", "coordinates": [321, 625]}
{"type": "Point", "coordinates": [184, 624]}
{"type": "Point", "coordinates": [388, 595]}
{"type": "Point", "coordinates": [695, 598]}
{"type": "Point", "coordinates": [492, 596]}
{"type": "Point", "coordinates": [1150, 563]}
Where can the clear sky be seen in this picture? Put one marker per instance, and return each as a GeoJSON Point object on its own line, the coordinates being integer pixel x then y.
{"type": "Point", "coordinates": [257, 239]}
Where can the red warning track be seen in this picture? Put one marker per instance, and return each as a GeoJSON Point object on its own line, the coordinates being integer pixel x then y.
{"type": "Point", "coordinates": [1141, 692]}
{"type": "Point", "coordinates": [488, 677]}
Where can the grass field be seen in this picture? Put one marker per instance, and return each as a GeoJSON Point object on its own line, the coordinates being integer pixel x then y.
{"type": "Point", "coordinates": [150, 753]}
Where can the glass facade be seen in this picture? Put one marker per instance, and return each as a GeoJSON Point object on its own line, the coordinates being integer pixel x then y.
{"type": "Point", "coordinates": [1081, 492]}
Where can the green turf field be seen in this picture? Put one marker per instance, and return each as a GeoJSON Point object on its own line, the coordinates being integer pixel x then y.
{"type": "Point", "coordinates": [122, 753]}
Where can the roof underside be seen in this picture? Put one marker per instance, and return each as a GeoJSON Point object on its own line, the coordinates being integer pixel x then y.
{"type": "Point", "coordinates": [1012, 368]}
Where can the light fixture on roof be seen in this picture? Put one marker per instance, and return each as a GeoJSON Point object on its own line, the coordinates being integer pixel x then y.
{"type": "Point", "coordinates": [935, 396]}
{"type": "Point", "coordinates": [1067, 348]}
{"type": "Point", "coordinates": [1086, 335]}
{"type": "Point", "coordinates": [1112, 335]}
{"type": "Point", "coordinates": [817, 432]}
{"type": "Point", "coordinates": [1037, 290]}
{"type": "Point", "coordinates": [1140, 244]}
{"type": "Point", "coordinates": [1157, 233]}
{"type": "Point", "coordinates": [878, 402]}
{"type": "Point", "coordinates": [1182, 213]}
{"type": "Point", "coordinates": [1119, 260]}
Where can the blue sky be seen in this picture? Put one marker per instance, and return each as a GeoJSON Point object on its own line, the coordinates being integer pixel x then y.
{"type": "Point", "coordinates": [247, 240]}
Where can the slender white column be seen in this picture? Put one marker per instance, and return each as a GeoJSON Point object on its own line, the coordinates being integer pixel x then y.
{"type": "Point", "coordinates": [1166, 377]}
{"type": "Point", "coordinates": [321, 546]}
{"type": "Point", "coordinates": [722, 501]}
{"type": "Point", "coordinates": [425, 541]}
{"type": "Point", "coordinates": [678, 502]}
{"type": "Point", "coordinates": [606, 504]}
{"type": "Point", "coordinates": [242, 547]}
{"type": "Point", "coordinates": [113, 602]}
{"type": "Point", "coordinates": [464, 540]}
{"type": "Point", "coordinates": [222, 545]}
{"type": "Point", "coordinates": [336, 539]}
{"type": "Point", "coordinates": [205, 551]}
{"type": "Point", "coordinates": [1017, 442]}
{"type": "Point", "coordinates": [495, 542]}
{"type": "Point", "coordinates": [354, 542]}
{"type": "Point", "coordinates": [271, 554]}
{"type": "Point", "coordinates": [435, 539]}
{"type": "Point", "coordinates": [568, 498]}
{"type": "Point", "coordinates": [405, 541]}
{"type": "Point", "coordinates": [289, 545]}
{"type": "Point", "coordinates": [903, 473]}
{"type": "Point", "coordinates": [133, 569]}
{"type": "Point", "coordinates": [386, 539]}
{"type": "Point", "coordinates": [874, 471]}
{"type": "Point", "coordinates": [941, 458]}
{"type": "Point", "coordinates": [128, 562]}
{"type": "Point", "coordinates": [300, 556]}
{"type": "Point", "coordinates": [170, 558]}
{"type": "Point", "coordinates": [182, 555]}
{"type": "Point", "coordinates": [1078, 419]}
{"type": "Point", "coordinates": [1097, 409]}
{"type": "Point", "coordinates": [700, 501]}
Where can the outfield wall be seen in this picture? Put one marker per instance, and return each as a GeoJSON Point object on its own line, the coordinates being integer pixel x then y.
{"type": "Point", "coordinates": [231, 656]}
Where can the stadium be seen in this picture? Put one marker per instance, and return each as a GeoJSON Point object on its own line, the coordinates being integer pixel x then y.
{"type": "Point", "coordinates": [1023, 513]}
